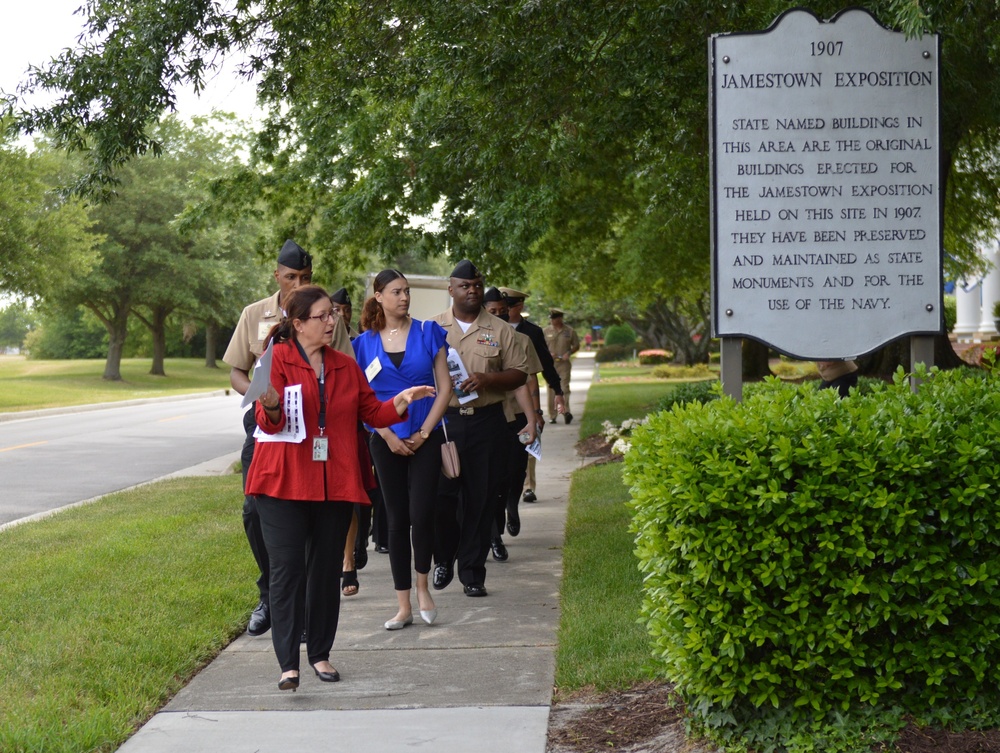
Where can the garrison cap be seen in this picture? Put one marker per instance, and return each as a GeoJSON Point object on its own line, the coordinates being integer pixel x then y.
{"type": "Point", "coordinates": [492, 295]}
{"type": "Point", "coordinates": [513, 296]}
{"type": "Point", "coordinates": [293, 257]}
{"type": "Point", "coordinates": [341, 297]}
{"type": "Point", "coordinates": [555, 313]}
{"type": "Point", "coordinates": [465, 270]}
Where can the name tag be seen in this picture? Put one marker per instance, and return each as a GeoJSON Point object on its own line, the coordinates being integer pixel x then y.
{"type": "Point", "coordinates": [263, 328]}
{"type": "Point", "coordinates": [373, 368]}
{"type": "Point", "coordinates": [321, 449]}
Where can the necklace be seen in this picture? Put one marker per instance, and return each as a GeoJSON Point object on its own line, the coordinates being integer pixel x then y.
{"type": "Point", "coordinates": [388, 337]}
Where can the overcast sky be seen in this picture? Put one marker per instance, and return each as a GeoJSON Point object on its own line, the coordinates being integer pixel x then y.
{"type": "Point", "coordinates": [36, 31]}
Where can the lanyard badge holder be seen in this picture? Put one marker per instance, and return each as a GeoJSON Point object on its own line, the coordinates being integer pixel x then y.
{"type": "Point", "coordinates": [321, 444]}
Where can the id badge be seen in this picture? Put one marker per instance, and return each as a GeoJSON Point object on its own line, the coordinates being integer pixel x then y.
{"type": "Point", "coordinates": [320, 449]}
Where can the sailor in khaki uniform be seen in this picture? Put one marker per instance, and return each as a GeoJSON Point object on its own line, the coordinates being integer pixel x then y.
{"type": "Point", "coordinates": [495, 365]}
{"type": "Point", "coordinates": [563, 343]}
{"type": "Point", "coordinates": [293, 270]}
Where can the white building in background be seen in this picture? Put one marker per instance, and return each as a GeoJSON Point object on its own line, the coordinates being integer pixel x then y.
{"type": "Point", "coordinates": [974, 301]}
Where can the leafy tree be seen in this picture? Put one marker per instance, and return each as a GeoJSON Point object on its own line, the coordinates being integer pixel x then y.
{"type": "Point", "coordinates": [16, 321]}
{"type": "Point", "coordinates": [148, 268]}
{"type": "Point", "coordinates": [45, 237]}
{"type": "Point", "coordinates": [570, 130]}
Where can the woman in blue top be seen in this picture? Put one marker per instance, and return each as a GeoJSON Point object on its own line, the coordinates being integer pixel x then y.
{"type": "Point", "coordinates": [396, 350]}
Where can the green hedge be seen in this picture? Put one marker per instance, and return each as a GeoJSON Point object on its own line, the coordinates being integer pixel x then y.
{"type": "Point", "coordinates": [811, 562]}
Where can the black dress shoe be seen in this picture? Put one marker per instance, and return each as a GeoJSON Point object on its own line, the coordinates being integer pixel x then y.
{"type": "Point", "coordinates": [260, 620]}
{"type": "Point", "coordinates": [288, 683]}
{"type": "Point", "coordinates": [513, 522]}
{"type": "Point", "coordinates": [569, 418]}
{"type": "Point", "coordinates": [333, 676]}
{"type": "Point", "coordinates": [443, 575]}
{"type": "Point", "coordinates": [475, 589]}
{"type": "Point", "coordinates": [381, 548]}
{"type": "Point", "coordinates": [500, 553]}
{"type": "Point", "coordinates": [529, 496]}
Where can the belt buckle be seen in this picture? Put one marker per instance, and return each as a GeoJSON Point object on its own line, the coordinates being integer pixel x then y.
{"type": "Point", "coordinates": [466, 411]}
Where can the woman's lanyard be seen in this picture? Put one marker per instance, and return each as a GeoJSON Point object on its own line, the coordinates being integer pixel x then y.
{"type": "Point", "coordinates": [322, 403]}
{"type": "Point", "coordinates": [321, 447]}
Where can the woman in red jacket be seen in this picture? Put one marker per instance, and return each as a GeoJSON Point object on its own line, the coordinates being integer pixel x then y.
{"type": "Point", "coordinates": [306, 475]}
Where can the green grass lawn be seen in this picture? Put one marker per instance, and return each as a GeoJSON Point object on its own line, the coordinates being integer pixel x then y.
{"type": "Point", "coordinates": [29, 385]}
{"type": "Point", "coordinates": [617, 401]}
{"type": "Point", "coordinates": [601, 643]}
{"type": "Point", "coordinates": [110, 608]}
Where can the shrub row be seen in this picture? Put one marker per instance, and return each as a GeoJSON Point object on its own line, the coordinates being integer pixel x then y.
{"type": "Point", "coordinates": [824, 558]}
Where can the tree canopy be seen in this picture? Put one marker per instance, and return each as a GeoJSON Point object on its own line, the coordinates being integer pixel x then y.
{"type": "Point", "coordinates": [573, 131]}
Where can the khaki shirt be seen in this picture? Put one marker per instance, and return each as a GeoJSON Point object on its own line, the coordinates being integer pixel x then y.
{"type": "Point", "coordinates": [510, 405]}
{"type": "Point", "coordinates": [488, 347]}
{"type": "Point", "coordinates": [562, 343]}
{"type": "Point", "coordinates": [255, 323]}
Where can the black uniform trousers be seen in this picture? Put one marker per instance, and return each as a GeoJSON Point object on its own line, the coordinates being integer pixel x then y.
{"type": "Point", "coordinates": [306, 543]}
{"type": "Point", "coordinates": [251, 520]}
{"type": "Point", "coordinates": [464, 521]}
{"type": "Point", "coordinates": [409, 487]}
{"type": "Point", "coordinates": [515, 468]}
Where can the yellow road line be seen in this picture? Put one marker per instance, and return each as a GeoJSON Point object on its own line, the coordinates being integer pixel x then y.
{"type": "Point", "coordinates": [22, 446]}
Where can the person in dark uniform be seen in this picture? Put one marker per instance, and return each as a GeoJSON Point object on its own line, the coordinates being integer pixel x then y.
{"type": "Point", "coordinates": [519, 412]}
{"type": "Point", "coordinates": [515, 310]}
{"type": "Point", "coordinates": [495, 364]}
{"type": "Point", "coordinates": [293, 270]}
{"type": "Point", "coordinates": [838, 375]}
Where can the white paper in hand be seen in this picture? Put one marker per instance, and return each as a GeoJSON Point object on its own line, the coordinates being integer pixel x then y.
{"type": "Point", "coordinates": [261, 377]}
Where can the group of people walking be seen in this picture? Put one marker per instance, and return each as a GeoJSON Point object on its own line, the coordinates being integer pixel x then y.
{"type": "Point", "coordinates": [334, 405]}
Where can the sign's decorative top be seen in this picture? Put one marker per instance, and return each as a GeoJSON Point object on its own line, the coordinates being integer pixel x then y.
{"type": "Point", "coordinates": [826, 188]}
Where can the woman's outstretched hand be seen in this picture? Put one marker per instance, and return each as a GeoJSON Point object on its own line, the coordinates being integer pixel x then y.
{"type": "Point", "coordinates": [407, 396]}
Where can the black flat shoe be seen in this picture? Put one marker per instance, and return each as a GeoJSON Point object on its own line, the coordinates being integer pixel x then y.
{"type": "Point", "coordinates": [289, 683]}
{"type": "Point", "coordinates": [333, 676]}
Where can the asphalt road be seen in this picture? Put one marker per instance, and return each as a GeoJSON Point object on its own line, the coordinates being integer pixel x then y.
{"type": "Point", "coordinates": [50, 461]}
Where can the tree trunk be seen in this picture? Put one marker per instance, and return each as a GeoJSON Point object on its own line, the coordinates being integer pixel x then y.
{"type": "Point", "coordinates": [211, 334]}
{"type": "Point", "coordinates": [158, 328]}
{"type": "Point", "coordinates": [755, 360]}
{"type": "Point", "coordinates": [117, 328]}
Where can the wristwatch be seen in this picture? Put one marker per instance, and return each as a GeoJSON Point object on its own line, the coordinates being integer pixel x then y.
{"type": "Point", "coordinates": [540, 412]}
{"type": "Point", "coordinates": [423, 434]}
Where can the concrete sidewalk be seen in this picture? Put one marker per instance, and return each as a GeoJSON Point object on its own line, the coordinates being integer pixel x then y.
{"type": "Point", "coordinates": [479, 679]}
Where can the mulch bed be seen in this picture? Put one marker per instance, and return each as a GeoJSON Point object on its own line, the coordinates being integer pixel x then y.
{"type": "Point", "coordinates": [649, 718]}
{"type": "Point", "coordinates": [597, 451]}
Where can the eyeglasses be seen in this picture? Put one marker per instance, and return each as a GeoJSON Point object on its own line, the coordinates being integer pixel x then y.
{"type": "Point", "coordinates": [326, 316]}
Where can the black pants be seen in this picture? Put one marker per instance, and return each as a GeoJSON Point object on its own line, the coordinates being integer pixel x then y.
{"type": "Point", "coordinates": [465, 505]}
{"type": "Point", "coordinates": [409, 488]}
{"type": "Point", "coordinates": [251, 521]}
{"type": "Point", "coordinates": [515, 469]}
{"type": "Point", "coordinates": [306, 543]}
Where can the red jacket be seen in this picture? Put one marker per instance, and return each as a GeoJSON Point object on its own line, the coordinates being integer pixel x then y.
{"type": "Point", "coordinates": [286, 470]}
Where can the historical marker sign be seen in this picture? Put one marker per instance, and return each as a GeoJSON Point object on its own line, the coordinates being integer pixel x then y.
{"type": "Point", "coordinates": [826, 187]}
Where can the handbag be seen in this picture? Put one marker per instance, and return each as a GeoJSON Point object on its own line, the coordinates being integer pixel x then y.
{"type": "Point", "coordinates": [450, 466]}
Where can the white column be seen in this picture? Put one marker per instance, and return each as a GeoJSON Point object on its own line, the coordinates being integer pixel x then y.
{"type": "Point", "coordinates": [967, 306]}
{"type": "Point", "coordinates": [991, 289]}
